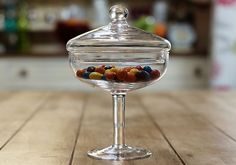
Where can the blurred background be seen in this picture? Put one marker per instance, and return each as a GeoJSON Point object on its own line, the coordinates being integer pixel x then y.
{"type": "Point", "coordinates": [33, 34]}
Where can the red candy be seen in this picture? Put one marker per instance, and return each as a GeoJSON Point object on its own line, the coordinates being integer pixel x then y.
{"type": "Point", "coordinates": [139, 67]}
{"type": "Point", "coordinates": [100, 70]}
{"type": "Point", "coordinates": [155, 74]}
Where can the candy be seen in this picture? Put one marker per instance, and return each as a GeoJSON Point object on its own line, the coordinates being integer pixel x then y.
{"type": "Point", "coordinates": [130, 77]}
{"type": "Point", "coordinates": [80, 72]}
{"type": "Point", "coordinates": [134, 70]}
{"type": "Point", "coordinates": [139, 67]}
{"type": "Point", "coordinates": [104, 78]}
{"type": "Point", "coordinates": [127, 69]}
{"type": "Point", "coordinates": [147, 69]}
{"type": "Point", "coordinates": [155, 74]}
{"type": "Point", "coordinates": [114, 70]}
{"type": "Point", "coordinates": [100, 70]}
{"type": "Point", "coordinates": [107, 67]}
{"type": "Point", "coordinates": [91, 69]}
{"type": "Point", "coordinates": [143, 76]}
{"type": "Point", "coordinates": [107, 71]}
{"type": "Point", "coordinates": [110, 75]}
{"type": "Point", "coordinates": [95, 76]}
{"type": "Point", "coordinates": [121, 74]}
{"type": "Point", "coordinates": [86, 75]}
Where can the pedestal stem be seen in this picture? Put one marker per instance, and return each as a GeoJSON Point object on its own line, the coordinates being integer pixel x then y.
{"type": "Point", "coordinates": [119, 150]}
{"type": "Point", "coordinates": [119, 119]}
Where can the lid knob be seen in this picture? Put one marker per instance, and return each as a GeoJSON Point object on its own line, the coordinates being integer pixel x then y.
{"type": "Point", "coordinates": [118, 12]}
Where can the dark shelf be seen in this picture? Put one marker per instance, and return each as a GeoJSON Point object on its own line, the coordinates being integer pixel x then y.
{"type": "Point", "coordinates": [33, 55]}
{"type": "Point", "coordinates": [192, 53]}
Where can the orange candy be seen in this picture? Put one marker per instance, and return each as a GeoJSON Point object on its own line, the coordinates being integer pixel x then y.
{"type": "Point", "coordinates": [134, 70]}
{"type": "Point", "coordinates": [110, 75]}
{"type": "Point", "coordinates": [127, 69]}
{"type": "Point", "coordinates": [130, 77]}
{"type": "Point", "coordinates": [121, 74]}
{"type": "Point", "coordinates": [80, 72]}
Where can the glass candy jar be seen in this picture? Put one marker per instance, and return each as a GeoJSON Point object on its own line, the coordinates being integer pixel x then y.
{"type": "Point", "coordinates": [118, 58]}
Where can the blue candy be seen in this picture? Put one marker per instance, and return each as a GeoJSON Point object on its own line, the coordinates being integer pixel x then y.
{"type": "Point", "coordinates": [91, 69]}
{"type": "Point", "coordinates": [86, 75]}
{"type": "Point", "coordinates": [143, 76]}
{"type": "Point", "coordinates": [108, 67]}
{"type": "Point", "coordinates": [147, 69]}
{"type": "Point", "coordinates": [104, 78]}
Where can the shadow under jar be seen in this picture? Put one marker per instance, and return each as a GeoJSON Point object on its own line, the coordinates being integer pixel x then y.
{"type": "Point", "coordinates": [118, 58]}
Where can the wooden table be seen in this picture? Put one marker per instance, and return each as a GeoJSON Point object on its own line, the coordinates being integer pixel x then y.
{"type": "Point", "coordinates": [182, 128]}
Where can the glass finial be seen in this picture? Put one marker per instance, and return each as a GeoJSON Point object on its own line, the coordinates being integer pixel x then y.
{"type": "Point", "coordinates": [118, 12]}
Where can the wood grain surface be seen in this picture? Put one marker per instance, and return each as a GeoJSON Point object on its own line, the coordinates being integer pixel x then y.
{"type": "Point", "coordinates": [58, 128]}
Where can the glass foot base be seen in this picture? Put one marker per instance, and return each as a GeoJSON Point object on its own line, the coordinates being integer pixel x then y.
{"type": "Point", "coordinates": [119, 153]}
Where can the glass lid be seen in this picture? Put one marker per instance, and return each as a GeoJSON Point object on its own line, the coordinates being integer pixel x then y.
{"type": "Point", "coordinates": [118, 35]}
